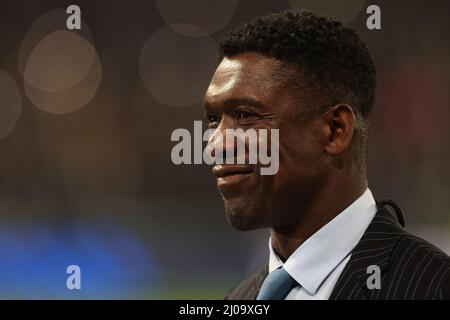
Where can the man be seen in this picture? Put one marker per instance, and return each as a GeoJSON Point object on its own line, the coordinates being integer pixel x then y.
{"type": "Point", "coordinates": [314, 80]}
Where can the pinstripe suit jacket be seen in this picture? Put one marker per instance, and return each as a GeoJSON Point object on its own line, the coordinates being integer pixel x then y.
{"type": "Point", "coordinates": [411, 268]}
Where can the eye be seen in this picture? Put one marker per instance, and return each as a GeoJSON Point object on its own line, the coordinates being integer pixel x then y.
{"type": "Point", "coordinates": [212, 118]}
{"type": "Point", "coordinates": [243, 114]}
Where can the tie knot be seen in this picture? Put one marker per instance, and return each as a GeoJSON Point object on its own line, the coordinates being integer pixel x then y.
{"type": "Point", "coordinates": [277, 285]}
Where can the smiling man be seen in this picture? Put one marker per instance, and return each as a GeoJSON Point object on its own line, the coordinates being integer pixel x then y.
{"type": "Point", "coordinates": [314, 80]}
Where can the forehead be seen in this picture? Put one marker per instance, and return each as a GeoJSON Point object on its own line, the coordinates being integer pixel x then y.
{"type": "Point", "coordinates": [247, 75]}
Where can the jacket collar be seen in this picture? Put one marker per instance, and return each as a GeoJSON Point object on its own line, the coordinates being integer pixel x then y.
{"type": "Point", "coordinates": [375, 248]}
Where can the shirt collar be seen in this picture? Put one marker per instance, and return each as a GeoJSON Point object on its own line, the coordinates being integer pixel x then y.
{"type": "Point", "coordinates": [320, 254]}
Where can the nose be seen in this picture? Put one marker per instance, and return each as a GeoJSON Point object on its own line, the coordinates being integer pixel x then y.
{"type": "Point", "coordinates": [218, 146]}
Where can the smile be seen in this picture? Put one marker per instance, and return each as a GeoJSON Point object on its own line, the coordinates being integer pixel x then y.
{"type": "Point", "coordinates": [229, 175]}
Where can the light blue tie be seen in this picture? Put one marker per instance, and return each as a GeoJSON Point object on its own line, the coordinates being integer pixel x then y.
{"type": "Point", "coordinates": [277, 285]}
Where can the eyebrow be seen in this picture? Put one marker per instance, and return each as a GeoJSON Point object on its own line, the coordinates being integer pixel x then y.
{"type": "Point", "coordinates": [235, 102]}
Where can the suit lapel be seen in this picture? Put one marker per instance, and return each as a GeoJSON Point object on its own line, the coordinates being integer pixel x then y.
{"type": "Point", "coordinates": [374, 248]}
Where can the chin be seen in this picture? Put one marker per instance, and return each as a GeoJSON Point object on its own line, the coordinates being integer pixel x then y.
{"type": "Point", "coordinates": [245, 214]}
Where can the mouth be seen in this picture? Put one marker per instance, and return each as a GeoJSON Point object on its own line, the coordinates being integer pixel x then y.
{"type": "Point", "coordinates": [229, 175]}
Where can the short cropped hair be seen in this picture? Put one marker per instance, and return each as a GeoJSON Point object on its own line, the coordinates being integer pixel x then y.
{"type": "Point", "coordinates": [331, 55]}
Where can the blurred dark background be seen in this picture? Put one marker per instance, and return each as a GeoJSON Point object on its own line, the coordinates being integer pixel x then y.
{"type": "Point", "coordinates": [86, 116]}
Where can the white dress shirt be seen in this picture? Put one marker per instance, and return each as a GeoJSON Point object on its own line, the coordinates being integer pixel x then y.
{"type": "Point", "coordinates": [318, 262]}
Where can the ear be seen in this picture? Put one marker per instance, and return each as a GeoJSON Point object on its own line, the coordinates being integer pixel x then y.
{"type": "Point", "coordinates": [338, 127]}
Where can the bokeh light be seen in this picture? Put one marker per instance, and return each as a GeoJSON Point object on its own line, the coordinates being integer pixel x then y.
{"type": "Point", "coordinates": [60, 68]}
{"type": "Point", "coordinates": [177, 69]}
{"type": "Point", "coordinates": [45, 25]}
{"type": "Point", "coordinates": [67, 100]}
{"type": "Point", "coordinates": [209, 16]}
{"type": "Point", "coordinates": [59, 62]}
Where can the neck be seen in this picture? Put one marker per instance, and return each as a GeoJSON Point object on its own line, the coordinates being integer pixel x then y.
{"type": "Point", "coordinates": [325, 205]}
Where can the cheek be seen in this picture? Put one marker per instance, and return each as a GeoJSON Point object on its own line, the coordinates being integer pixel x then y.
{"type": "Point", "coordinates": [300, 159]}
{"type": "Point", "coordinates": [299, 151]}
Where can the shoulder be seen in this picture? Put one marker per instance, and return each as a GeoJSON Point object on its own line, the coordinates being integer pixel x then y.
{"type": "Point", "coordinates": [249, 288]}
{"type": "Point", "coordinates": [421, 268]}
{"type": "Point", "coordinates": [410, 267]}
{"type": "Point", "coordinates": [414, 268]}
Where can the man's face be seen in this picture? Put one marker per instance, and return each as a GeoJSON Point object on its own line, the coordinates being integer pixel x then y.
{"type": "Point", "coordinates": [248, 91]}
